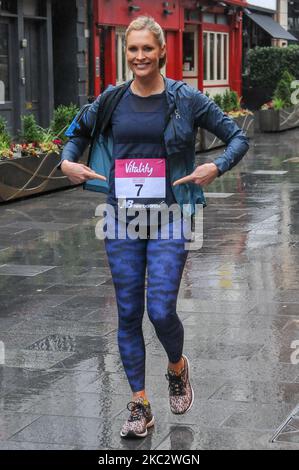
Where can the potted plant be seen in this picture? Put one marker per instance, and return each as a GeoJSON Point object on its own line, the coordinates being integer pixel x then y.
{"type": "Point", "coordinates": [280, 114]}
{"type": "Point", "coordinates": [230, 103]}
{"type": "Point", "coordinates": [29, 165]}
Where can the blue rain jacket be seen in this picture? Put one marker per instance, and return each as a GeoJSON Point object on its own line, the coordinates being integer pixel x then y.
{"type": "Point", "coordinates": [190, 109]}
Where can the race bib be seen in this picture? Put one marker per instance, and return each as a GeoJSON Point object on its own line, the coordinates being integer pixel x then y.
{"type": "Point", "coordinates": [140, 178]}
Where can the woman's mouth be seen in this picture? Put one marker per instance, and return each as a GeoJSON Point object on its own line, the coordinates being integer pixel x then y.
{"type": "Point", "coordinates": [142, 66]}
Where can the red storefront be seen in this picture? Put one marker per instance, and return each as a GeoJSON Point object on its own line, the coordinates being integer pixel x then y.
{"type": "Point", "coordinates": [204, 40]}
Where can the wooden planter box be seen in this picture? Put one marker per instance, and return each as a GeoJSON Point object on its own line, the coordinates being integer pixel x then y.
{"type": "Point", "coordinates": [272, 120]}
{"type": "Point", "coordinates": [207, 141]}
{"type": "Point", "coordinates": [28, 175]}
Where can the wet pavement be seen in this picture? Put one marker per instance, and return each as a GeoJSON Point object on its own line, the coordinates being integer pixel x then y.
{"type": "Point", "coordinates": [62, 385]}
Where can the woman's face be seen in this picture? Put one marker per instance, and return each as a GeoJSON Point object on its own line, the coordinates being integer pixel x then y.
{"type": "Point", "coordinates": [144, 53]}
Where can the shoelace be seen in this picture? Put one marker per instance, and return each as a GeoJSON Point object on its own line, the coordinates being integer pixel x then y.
{"type": "Point", "coordinates": [137, 410]}
{"type": "Point", "coordinates": [176, 384]}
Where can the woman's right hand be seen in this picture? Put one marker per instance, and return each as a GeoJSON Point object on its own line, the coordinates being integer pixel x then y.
{"type": "Point", "coordinates": [78, 172]}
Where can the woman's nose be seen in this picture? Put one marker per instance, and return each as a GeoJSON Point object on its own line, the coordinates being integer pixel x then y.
{"type": "Point", "coordinates": [140, 55]}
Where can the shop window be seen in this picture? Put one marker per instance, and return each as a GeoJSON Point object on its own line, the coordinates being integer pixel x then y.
{"type": "Point", "coordinates": [190, 52]}
{"type": "Point", "coordinates": [4, 63]}
{"type": "Point", "coordinates": [8, 6]}
{"type": "Point", "coordinates": [215, 19]}
{"type": "Point", "coordinates": [215, 58]}
{"type": "Point", "coordinates": [221, 19]}
{"type": "Point", "coordinates": [192, 15]}
{"type": "Point", "coordinates": [209, 18]}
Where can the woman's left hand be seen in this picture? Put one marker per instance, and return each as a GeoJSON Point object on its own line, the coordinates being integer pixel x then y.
{"type": "Point", "coordinates": [202, 175]}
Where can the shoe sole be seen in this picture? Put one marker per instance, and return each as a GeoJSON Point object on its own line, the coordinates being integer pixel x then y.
{"type": "Point", "coordinates": [192, 391]}
{"type": "Point", "coordinates": [133, 435]}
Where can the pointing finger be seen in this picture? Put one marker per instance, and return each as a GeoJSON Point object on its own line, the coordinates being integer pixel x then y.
{"type": "Point", "coordinates": [186, 179]}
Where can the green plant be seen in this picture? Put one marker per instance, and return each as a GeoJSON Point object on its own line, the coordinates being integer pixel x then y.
{"type": "Point", "coordinates": [283, 89]}
{"type": "Point", "coordinates": [278, 103]}
{"type": "Point", "coordinates": [31, 132]}
{"type": "Point", "coordinates": [62, 118]}
{"type": "Point", "coordinates": [267, 64]}
{"type": "Point", "coordinates": [5, 151]}
{"type": "Point", "coordinates": [4, 134]}
{"type": "Point", "coordinates": [207, 94]}
{"type": "Point", "coordinates": [227, 104]}
{"type": "Point", "coordinates": [218, 100]}
{"type": "Point", "coordinates": [235, 100]}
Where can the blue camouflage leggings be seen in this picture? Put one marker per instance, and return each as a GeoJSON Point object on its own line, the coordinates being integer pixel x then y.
{"type": "Point", "coordinates": [164, 260]}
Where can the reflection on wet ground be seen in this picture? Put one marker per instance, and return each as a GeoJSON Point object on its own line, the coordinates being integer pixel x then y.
{"type": "Point", "coordinates": [61, 380]}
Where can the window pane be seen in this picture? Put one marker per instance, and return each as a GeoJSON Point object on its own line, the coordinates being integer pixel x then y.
{"type": "Point", "coordinates": [225, 57]}
{"type": "Point", "coordinates": [35, 8]}
{"type": "Point", "coordinates": [212, 45]}
{"type": "Point", "coordinates": [9, 6]}
{"type": "Point", "coordinates": [222, 19]}
{"type": "Point", "coordinates": [30, 8]}
{"type": "Point", "coordinates": [219, 56]}
{"type": "Point", "coordinates": [194, 15]}
{"type": "Point", "coordinates": [208, 18]}
{"type": "Point", "coordinates": [188, 52]}
{"type": "Point", "coordinates": [205, 56]}
{"type": "Point", "coordinates": [4, 62]}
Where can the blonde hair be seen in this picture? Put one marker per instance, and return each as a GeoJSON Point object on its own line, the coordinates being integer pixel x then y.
{"type": "Point", "coordinates": [147, 22]}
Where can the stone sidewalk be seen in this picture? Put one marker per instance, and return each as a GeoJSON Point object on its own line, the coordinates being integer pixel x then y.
{"type": "Point", "coordinates": [62, 385]}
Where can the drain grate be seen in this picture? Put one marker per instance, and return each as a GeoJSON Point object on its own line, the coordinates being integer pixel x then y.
{"type": "Point", "coordinates": [288, 431]}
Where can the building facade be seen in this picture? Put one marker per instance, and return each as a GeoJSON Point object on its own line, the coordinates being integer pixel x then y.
{"type": "Point", "coordinates": [293, 17]}
{"type": "Point", "coordinates": [43, 57]}
{"type": "Point", "coordinates": [26, 61]}
{"type": "Point", "coordinates": [59, 52]}
{"type": "Point", "coordinates": [204, 41]}
{"type": "Point", "coordinates": [266, 24]}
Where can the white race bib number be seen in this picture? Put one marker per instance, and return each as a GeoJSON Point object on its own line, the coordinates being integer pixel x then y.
{"type": "Point", "coordinates": [140, 178]}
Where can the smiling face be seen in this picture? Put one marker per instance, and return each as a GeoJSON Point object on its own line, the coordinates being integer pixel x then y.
{"type": "Point", "coordinates": [144, 53]}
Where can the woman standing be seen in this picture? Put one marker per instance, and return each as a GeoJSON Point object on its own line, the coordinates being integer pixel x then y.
{"type": "Point", "coordinates": [152, 129]}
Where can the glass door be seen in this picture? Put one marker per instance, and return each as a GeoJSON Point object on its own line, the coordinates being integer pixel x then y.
{"type": "Point", "coordinates": [33, 67]}
{"type": "Point", "coordinates": [190, 55]}
{"type": "Point", "coordinates": [8, 79]}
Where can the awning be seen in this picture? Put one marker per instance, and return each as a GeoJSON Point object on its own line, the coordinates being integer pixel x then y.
{"type": "Point", "coordinates": [270, 26]}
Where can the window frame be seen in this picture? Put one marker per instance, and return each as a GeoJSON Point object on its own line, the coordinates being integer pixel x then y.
{"type": "Point", "coordinates": [224, 80]}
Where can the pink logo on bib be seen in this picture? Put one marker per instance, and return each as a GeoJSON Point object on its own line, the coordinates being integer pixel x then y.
{"type": "Point", "coordinates": [145, 167]}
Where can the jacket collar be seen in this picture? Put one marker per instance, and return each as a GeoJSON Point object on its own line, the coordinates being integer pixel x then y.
{"type": "Point", "coordinates": [171, 87]}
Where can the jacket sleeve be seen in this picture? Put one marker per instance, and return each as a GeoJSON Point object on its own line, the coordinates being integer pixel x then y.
{"type": "Point", "coordinates": [79, 132]}
{"type": "Point", "coordinates": [209, 116]}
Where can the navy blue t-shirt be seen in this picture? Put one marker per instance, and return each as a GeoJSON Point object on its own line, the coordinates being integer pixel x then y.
{"type": "Point", "coordinates": [138, 127]}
